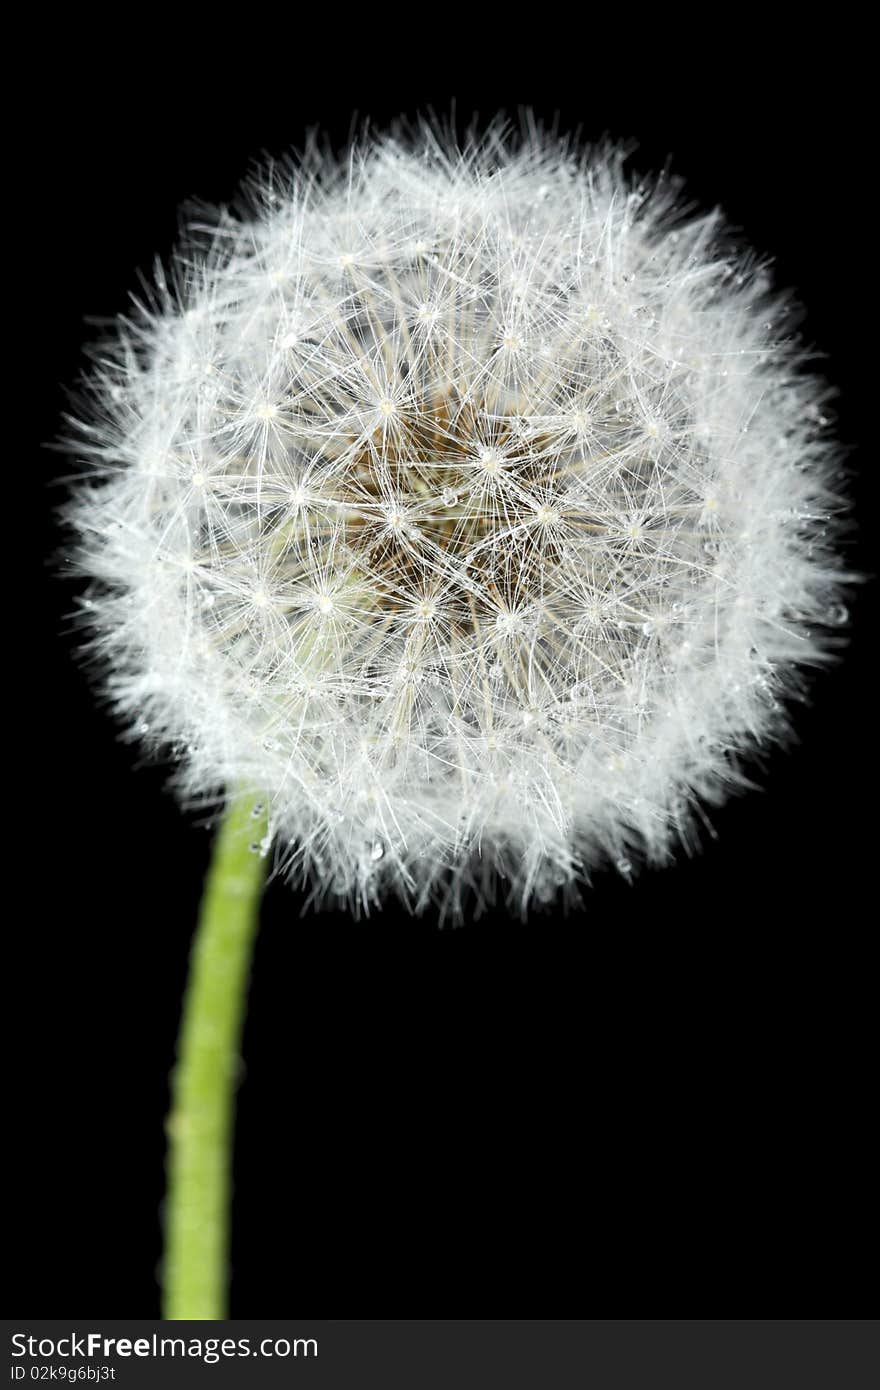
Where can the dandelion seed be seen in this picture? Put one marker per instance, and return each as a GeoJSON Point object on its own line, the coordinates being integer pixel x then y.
{"type": "Point", "coordinates": [583, 505]}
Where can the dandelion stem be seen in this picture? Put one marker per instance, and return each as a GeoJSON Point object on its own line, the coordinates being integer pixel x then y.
{"type": "Point", "coordinates": [200, 1126]}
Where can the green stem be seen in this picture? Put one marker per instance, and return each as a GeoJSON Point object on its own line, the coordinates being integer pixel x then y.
{"type": "Point", "coordinates": [200, 1126]}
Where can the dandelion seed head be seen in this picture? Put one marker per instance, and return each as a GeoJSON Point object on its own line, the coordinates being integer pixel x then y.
{"type": "Point", "coordinates": [468, 506]}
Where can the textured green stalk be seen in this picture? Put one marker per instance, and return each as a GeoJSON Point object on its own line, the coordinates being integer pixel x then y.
{"type": "Point", "coordinates": [200, 1127]}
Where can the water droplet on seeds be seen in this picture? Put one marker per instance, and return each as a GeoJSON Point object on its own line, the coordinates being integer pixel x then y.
{"type": "Point", "coordinates": [377, 851]}
{"type": "Point", "coordinates": [838, 615]}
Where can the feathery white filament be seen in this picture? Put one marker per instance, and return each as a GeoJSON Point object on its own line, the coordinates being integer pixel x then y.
{"type": "Point", "coordinates": [468, 505]}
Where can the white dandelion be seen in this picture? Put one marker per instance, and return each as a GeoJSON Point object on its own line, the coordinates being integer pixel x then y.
{"type": "Point", "coordinates": [471, 508]}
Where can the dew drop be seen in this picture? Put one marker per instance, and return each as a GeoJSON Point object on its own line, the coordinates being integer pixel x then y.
{"type": "Point", "coordinates": [838, 615]}
{"type": "Point", "coordinates": [377, 851]}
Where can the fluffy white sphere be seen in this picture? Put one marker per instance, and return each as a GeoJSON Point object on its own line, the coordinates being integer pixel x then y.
{"type": "Point", "coordinates": [467, 507]}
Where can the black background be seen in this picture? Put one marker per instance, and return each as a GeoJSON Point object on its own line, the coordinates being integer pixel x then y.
{"type": "Point", "coordinates": [661, 1096]}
